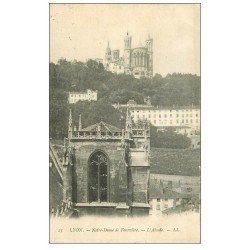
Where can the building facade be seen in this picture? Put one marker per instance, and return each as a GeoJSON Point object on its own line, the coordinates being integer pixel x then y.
{"type": "Point", "coordinates": [183, 120]}
{"type": "Point", "coordinates": [167, 192]}
{"type": "Point", "coordinates": [89, 95]}
{"type": "Point", "coordinates": [136, 61]}
{"type": "Point", "coordinates": [106, 170]}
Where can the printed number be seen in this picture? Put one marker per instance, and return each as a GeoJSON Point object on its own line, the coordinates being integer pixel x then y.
{"type": "Point", "coordinates": [60, 230]}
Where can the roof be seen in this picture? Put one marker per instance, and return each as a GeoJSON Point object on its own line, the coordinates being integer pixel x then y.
{"type": "Point", "coordinates": [102, 127]}
{"type": "Point", "coordinates": [164, 108]}
{"type": "Point", "coordinates": [169, 194]}
{"type": "Point", "coordinates": [83, 92]}
{"type": "Point", "coordinates": [158, 192]}
{"type": "Point", "coordinates": [132, 102]}
{"type": "Point", "coordinates": [141, 47]}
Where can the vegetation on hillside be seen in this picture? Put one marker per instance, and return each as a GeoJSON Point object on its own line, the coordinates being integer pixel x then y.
{"type": "Point", "coordinates": [168, 139]}
{"type": "Point", "coordinates": [173, 89]}
{"type": "Point", "coordinates": [65, 76]}
{"type": "Point", "coordinates": [175, 161]}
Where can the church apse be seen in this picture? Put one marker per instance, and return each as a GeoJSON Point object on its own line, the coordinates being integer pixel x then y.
{"type": "Point", "coordinates": [109, 166]}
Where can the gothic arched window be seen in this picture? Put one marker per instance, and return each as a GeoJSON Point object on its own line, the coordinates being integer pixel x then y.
{"type": "Point", "coordinates": [98, 177]}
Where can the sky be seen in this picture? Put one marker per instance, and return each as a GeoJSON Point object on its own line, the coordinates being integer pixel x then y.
{"type": "Point", "coordinates": [82, 31]}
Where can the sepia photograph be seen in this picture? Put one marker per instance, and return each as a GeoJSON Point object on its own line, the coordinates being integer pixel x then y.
{"type": "Point", "coordinates": [124, 123]}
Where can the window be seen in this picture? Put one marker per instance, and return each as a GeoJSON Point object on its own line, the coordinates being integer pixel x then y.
{"type": "Point", "coordinates": [182, 120]}
{"type": "Point", "coordinates": [177, 115]}
{"type": "Point", "coordinates": [186, 120]}
{"type": "Point", "coordinates": [196, 115]}
{"type": "Point", "coordinates": [177, 121]}
{"type": "Point", "coordinates": [191, 121]}
{"type": "Point", "coordinates": [165, 116]}
{"type": "Point", "coordinates": [149, 116]}
{"type": "Point", "coordinates": [170, 115]}
{"type": "Point", "coordinates": [183, 115]}
{"type": "Point", "coordinates": [154, 121]}
{"type": "Point", "coordinates": [159, 115]}
{"type": "Point", "coordinates": [170, 121]}
{"type": "Point", "coordinates": [98, 177]}
{"type": "Point", "coordinates": [186, 115]}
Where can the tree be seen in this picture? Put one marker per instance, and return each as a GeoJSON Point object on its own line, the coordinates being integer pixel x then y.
{"type": "Point", "coordinates": [65, 76]}
{"type": "Point", "coordinates": [168, 139]}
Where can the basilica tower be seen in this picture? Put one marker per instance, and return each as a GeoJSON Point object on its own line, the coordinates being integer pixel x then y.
{"type": "Point", "coordinates": [127, 51]}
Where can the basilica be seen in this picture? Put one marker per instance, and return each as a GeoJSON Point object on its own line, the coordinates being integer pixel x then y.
{"type": "Point", "coordinates": [136, 61]}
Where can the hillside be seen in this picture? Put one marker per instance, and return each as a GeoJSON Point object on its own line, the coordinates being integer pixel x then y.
{"type": "Point", "coordinates": [175, 161]}
{"type": "Point", "coordinates": [173, 89]}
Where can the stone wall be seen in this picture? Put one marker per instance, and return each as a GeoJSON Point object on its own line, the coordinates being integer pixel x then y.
{"type": "Point", "coordinates": [140, 182]}
{"type": "Point", "coordinates": [117, 172]}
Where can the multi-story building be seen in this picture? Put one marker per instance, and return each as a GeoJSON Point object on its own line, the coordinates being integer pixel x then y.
{"type": "Point", "coordinates": [89, 95]}
{"type": "Point", "coordinates": [136, 61]}
{"type": "Point", "coordinates": [183, 120]}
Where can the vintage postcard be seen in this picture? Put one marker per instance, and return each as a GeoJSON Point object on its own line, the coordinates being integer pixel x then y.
{"type": "Point", "coordinates": [124, 152]}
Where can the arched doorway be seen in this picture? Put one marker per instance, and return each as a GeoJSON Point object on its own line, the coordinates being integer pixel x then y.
{"type": "Point", "coordinates": [98, 177]}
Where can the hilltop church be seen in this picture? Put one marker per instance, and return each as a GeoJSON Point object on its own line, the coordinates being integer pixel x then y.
{"type": "Point", "coordinates": [136, 61]}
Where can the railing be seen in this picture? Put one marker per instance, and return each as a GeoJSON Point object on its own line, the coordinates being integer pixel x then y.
{"type": "Point", "coordinates": [77, 135]}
